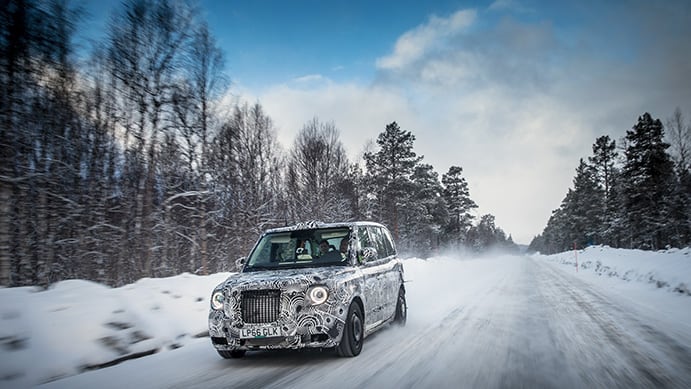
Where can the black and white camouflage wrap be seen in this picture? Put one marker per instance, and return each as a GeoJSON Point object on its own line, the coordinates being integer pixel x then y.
{"type": "Point", "coordinates": [374, 285]}
{"type": "Point", "coordinates": [297, 319]}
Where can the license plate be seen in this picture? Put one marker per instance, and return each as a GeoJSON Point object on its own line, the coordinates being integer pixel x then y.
{"type": "Point", "coordinates": [260, 332]}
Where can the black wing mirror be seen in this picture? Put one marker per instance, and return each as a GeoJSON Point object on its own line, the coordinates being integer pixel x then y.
{"type": "Point", "coordinates": [240, 263]}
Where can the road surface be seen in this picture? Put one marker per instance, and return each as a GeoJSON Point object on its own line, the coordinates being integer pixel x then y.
{"type": "Point", "coordinates": [507, 322]}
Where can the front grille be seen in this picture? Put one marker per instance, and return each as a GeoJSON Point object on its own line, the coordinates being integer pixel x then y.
{"type": "Point", "coordinates": [260, 306]}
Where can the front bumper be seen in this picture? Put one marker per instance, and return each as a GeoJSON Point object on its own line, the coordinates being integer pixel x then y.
{"type": "Point", "coordinates": [274, 343]}
{"type": "Point", "coordinates": [299, 325]}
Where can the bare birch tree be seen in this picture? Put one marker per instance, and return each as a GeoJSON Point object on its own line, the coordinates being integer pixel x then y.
{"type": "Point", "coordinates": [145, 49]}
{"type": "Point", "coordinates": [40, 134]}
{"type": "Point", "coordinates": [317, 167]}
{"type": "Point", "coordinates": [679, 133]}
{"type": "Point", "coordinates": [247, 169]}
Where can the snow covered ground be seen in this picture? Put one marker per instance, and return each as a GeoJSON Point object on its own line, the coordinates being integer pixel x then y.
{"type": "Point", "coordinates": [669, 270]}
{"type": "Point", "coordinates": [622, 319]}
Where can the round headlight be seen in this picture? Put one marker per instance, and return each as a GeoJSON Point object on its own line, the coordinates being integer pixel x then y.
{"type": "Point", "coordinates": [317, 294]}
{"type": "Point", "coordinates": [217, 300]}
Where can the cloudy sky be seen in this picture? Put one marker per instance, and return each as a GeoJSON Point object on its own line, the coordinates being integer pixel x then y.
{"type": "Point", "coordinates": [513, 91]}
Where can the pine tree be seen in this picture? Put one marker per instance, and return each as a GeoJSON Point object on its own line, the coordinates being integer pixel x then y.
{"type": "Point", "coordinates": [603, 161]}
{"type": "Point", "coordinates": [390, 169]}
{"type": "Point", "coordinates": [486, 235]}
{"type": "Point", "coordinates": [584, 206]}
{"type": "Point", "coordinates": [430, 213]}
{"type": "Point", "coordinates": [647, 185]}
{"type": "Point", "coordinates": [460, 205]}
{"type": "Point", "coordinates": [578, 220]}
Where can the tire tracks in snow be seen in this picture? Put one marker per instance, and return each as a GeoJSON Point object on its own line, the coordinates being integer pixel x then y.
{"type": "Point", "coordinates": [452, 349]}
{"type": "Point", "coordinates": [653, 359]}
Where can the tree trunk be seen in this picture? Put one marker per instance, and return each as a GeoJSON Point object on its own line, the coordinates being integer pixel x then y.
{"type": "Point", "coordinates": [5, 222]}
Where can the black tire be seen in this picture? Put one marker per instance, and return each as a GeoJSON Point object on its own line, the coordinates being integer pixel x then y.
{"type": "Point", "coordinates": [353, 333]}
{"type": "Point", "coordinates": [401, 309]}
{"type": "Point", "coordinates": [231, 354]}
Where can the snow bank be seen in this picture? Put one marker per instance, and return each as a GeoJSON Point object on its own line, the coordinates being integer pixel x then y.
{"type": "Point", "coordinates": [669, 270]}
{"type": "Point", "coordinates": [79, 325]}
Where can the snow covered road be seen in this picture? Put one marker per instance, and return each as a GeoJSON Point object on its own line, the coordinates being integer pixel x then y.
{"type": "Point", "coordinates": [500, 322]}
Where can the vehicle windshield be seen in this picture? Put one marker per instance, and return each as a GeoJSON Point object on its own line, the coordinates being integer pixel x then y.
{"type": "Point", "coordinates": [300, 248]}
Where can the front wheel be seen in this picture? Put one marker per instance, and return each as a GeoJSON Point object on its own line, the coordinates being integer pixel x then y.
{"type": "Point", "coordinates": [401, 309]}
{"type": "Point", "coordinates": [353, 333]}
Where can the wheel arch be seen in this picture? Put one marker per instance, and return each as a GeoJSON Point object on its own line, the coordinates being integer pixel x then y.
{"type": "Point", "coordinates": [357, 300]}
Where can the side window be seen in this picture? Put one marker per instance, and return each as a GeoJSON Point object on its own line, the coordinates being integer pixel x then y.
{"type": "Point", "coordinates": [388, 241]}
{"type": "Point", "coordinates": [378, 241]}
{"type": "Point", "coordinates": [363, 236]}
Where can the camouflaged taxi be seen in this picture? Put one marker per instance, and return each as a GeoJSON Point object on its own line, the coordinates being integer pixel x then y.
{"type": "Point", "coordinates": [311, 285]}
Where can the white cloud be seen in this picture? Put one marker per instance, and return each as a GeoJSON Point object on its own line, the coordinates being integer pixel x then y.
{"type": "Point", "coordinates": [412, 45]}
{"type": "Point", "coordinates": [507, 5]}
{"type": "Point", "coordinates": [446, 72]}
{"type": "Point", "coordinates": [310, 78]}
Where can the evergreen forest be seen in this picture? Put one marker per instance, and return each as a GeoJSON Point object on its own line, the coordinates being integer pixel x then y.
{"type": "Point", "coordinates": [635, 194]}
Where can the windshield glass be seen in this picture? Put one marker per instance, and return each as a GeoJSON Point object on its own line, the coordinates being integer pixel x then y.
{"type": "Point", "coordinates": [301, 248]}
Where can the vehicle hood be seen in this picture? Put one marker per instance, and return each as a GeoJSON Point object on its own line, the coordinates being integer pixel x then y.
{"type": "Point", "coordinates": [287, 278]}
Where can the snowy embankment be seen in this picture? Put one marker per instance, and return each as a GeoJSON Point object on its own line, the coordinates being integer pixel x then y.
{"type": "Point", "coordinates": [76, 325]}
{"type": "Point", "coordinates": [668, 270]}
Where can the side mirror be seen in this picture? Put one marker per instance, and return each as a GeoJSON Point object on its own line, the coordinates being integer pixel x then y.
{"type": "Point", "coordinates": [368, 254]}
{"type": "Point", "coordinates": [240, 263]}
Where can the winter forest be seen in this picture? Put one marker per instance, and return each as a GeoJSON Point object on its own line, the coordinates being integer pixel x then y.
{"type": "Point", "coordinates": [129, 161]}
{"type": "Point", "coordinates": [633, 195]}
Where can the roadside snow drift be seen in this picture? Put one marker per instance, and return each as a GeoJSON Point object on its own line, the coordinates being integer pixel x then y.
{"type": "Point", "coordinates": [669, 270]}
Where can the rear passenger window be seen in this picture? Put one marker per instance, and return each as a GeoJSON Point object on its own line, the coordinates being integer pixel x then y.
{"type": "Point", "coordinates": [363, 236]}
{"type": "Point", "coordinates": [388, 242]}
{"type": "Point", "coordinates": [378, 241]}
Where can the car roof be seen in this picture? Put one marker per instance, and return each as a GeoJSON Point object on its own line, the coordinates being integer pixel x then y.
{"type": "Point", "coordinates": [310, 225]}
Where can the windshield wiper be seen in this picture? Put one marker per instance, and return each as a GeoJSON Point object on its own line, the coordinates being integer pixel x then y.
{"type": "Point", "coordinates": [259, 267]}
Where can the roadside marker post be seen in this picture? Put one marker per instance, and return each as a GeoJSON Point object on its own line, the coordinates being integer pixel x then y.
{"type": "Point", "coordinates": [575, 253]}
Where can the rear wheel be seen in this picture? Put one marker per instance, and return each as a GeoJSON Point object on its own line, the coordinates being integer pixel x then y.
{"type": "Point", "coordinates": [401, 309]}
{"type": "Point", "coordinates": [353, 333]}
{"type": "Point", "coordinates": [231, 354]}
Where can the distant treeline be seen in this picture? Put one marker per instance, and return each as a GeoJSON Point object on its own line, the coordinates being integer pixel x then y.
{"type": "Point", "coordinates": [633, 195]}
{"type": "Point", "coordinates": [127, 164]}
